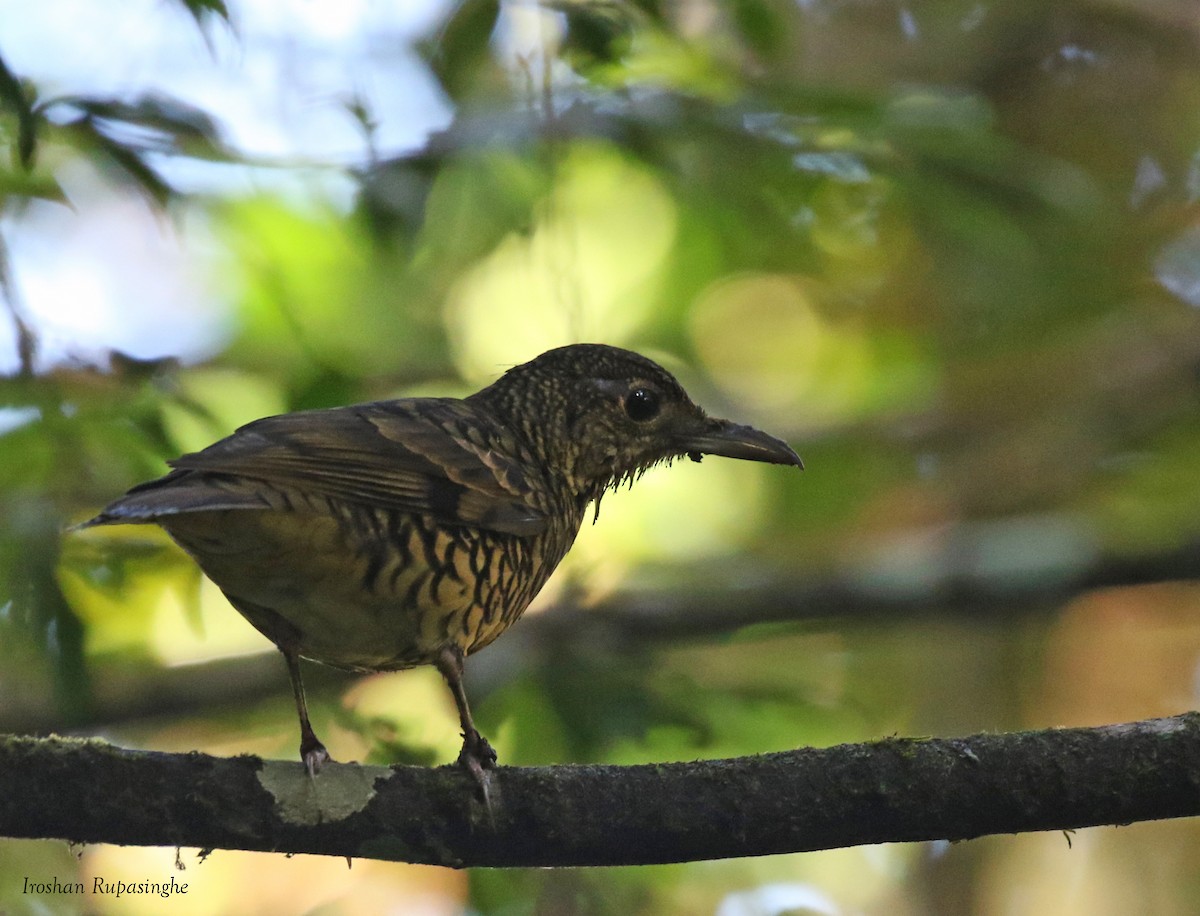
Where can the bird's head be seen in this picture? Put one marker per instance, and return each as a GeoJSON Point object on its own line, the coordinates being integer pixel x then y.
{"type": "Point", "coordinates": [600, 415]}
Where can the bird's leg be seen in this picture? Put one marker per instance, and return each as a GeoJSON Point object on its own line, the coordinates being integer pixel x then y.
{"type": "Point", "coordinates": [312, 751]}
{"type": "Point", "coordinates": [476, 754]}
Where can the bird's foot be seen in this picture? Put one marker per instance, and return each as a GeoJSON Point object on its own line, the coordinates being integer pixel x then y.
{"type": "Point", "coordinates": [477, 757]}
{"type": "Point", "coordinates": [314, 755]}
{"type": "Point", "coordinates": [476, 747]}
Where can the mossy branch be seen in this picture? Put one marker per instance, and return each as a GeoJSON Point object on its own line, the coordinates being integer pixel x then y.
{"type": "Point", "coordinates": [895, 790]}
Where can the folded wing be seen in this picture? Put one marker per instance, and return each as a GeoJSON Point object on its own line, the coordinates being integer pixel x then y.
{"type": "Point", "coordinates": [433, 456]}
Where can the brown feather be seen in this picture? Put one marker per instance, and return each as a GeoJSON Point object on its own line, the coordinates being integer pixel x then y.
{"type": "Point", "coordinates": [407, 455]}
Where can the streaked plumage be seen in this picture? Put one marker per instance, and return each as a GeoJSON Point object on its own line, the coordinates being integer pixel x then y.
{"type": "Point", "coordinates": [415, 531]}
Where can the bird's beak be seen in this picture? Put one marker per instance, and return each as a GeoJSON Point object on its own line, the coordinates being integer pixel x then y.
{"type": "Point", "coordinates": [730, 440]}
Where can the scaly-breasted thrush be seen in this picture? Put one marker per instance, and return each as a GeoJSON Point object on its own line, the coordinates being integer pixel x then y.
{"type": "Point", "coordinates": [415, 531]}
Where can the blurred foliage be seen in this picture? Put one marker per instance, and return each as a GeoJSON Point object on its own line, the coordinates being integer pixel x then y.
{"type": "Point", "coordinates": [950, 250]}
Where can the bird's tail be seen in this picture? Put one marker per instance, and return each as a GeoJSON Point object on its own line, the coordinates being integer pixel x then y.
{"type": "Point", "coordinates": [177, 493]}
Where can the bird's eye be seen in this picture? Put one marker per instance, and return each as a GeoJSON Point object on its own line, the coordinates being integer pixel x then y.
{"type": "Point", "coordinates": [642, 404]}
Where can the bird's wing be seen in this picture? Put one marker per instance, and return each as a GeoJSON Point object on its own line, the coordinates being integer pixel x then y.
{"type": "Point", "coordinates": [435, 456]}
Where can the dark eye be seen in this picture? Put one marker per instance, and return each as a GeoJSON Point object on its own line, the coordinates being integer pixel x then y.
{"type": "Point", "coordinates": [642, 404]}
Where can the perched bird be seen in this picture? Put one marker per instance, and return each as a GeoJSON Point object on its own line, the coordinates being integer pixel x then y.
{"type": "Point", "coordinates": [415, 531]}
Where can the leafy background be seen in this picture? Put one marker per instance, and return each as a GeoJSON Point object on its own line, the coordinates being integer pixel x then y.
{"type": "Point", "coordinates": [949, 250]}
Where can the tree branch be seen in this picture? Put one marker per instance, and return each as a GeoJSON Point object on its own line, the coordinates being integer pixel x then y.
{"type": "Point", "coordinates": [895, 790]}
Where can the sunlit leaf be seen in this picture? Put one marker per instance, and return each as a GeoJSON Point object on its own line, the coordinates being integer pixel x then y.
{"type": "Point", "coordinates": [31, 184]}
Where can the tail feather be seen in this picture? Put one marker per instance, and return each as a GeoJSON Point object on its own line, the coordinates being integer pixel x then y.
{"type": "Point", "coordinates": [176, 494]}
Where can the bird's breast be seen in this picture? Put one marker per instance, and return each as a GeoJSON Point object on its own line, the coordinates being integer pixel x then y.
{"type": "Point", "coordinates": [368, 588]}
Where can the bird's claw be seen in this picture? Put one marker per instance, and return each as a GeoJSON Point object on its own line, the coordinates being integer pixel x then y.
{"type": "Point", "coordinates": [476, 747]}
{"type": "Point", "coordinates": [314, 756]}
{"type": "Point", "coordinates": [477, 757]}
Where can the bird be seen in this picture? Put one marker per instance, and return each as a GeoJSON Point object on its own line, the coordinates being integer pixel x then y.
{"type": "Point", "coordinates": [415, 531]}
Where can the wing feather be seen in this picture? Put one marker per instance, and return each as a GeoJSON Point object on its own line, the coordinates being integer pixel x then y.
{"type": "Point", "coordinates": [434, 456]}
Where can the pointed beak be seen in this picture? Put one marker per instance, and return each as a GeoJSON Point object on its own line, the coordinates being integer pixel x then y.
{"type": "Point", "coordinates": [730, 440]}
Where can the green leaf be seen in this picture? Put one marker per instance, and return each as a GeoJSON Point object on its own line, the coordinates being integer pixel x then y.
{"type": "Point", "coordinates": [596, 32]}
{"type": "Point", "coordinates": [13, 95]}
{"type": "Point", "coordinates": [204, 10]}
{"type": "Point", "coordinates": [153, 121]}
{"type": "Point", "coordinates": [31, 184]}
{"type": "Point", "coordinates": [458, 53]}
{"type": "Point", "coordinates": [652, 8]}
{"type": "Point", "coordinates": [760, 25]}
{"type": "Point", "coordinates": [133, 165]}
